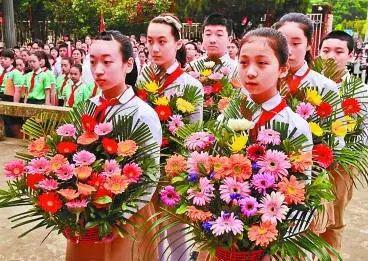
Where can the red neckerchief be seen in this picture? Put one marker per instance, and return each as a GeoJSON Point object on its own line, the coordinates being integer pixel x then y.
{"type": "Point", "coordinates": [94, 92]}
{"type": "Point", "coordinates": [71, 97]}
{"type": "Point", "coordinates": [64, 83]}
{"type": "Point", "coordinates": [171, 78]}
{"type": "Point", "coordinates": [294, 81]}
{"type": "Point", "coordinates": [265, 117]}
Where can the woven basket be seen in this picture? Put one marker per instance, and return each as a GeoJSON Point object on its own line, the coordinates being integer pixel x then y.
{"type": "Point", "coordinates": [235, 255]}
{"type": "Point", "coordinates": [91, 236]}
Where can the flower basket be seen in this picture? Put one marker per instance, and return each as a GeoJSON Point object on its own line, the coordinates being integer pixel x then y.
{"type": "Point", "coordinates": [235, 255]}
{"type": "Point", "coordinates": [91, 236]}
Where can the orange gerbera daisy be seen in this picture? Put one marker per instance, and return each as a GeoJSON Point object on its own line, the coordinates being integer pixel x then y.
{"type": "Point", "coordinates": [292, 189]}
{"type": "Point", "coordinates": [300, 161]}
{"type": "Point", "coordinates": [57, 161]}
{"type": "Point", "coordinates": [241, 167]}
{"type": "Point", "coordinates": [127, 148]}
{"type": "Point", "coordinates": [83, 172]}
{"type": "Point", "coordinates": [263, 234]}
{"type": "Point", "coordinates": [175, 165]}
{"type": "Point", "coordinates": [198, 215]}
{"type": "Point", "coordinates": [39, 147]}
{"type": "Point", "coordinates": [221, 166]}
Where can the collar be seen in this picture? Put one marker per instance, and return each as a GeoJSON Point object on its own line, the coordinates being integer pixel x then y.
{"type": "Point", "coordinates": [127, 95]}
{"type": "Point", "coordinates": [9, 68]}
{"type": "Point", "coordinates": [302, 70]}
{"type": "Point", "coordinates": [272, 103]}
{"type": "Point", "coordinates": [172, 67]}
{"type": "Point", "coordinates": [77, 84]}
{"type": "Point", "coordinates": [38, 71]}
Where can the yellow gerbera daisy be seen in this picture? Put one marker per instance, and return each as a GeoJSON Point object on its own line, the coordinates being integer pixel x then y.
{"type": "Point", "coordinates": [184, 106]}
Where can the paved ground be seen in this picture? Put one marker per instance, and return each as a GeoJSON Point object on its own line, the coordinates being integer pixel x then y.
{"type": "Point", "coordinates": [30, 248]}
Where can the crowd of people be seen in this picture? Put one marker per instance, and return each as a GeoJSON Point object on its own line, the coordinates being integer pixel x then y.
{"type": "Point", "coordinates": [104, 68]}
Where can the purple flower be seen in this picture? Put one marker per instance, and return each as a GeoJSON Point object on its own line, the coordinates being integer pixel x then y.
{"type": "Point", "coordinates": [169, 196]}
{"type": "Point", "coordinates": [262, 182]}
{"type": "Point", "coordinates": [206, 226]}
{"type": "Point", "coordinates": [192, 177]}
{"type": "Point", "coordinates": [248, 206]}
{"type": "Point", "coordinates": [232, 190]}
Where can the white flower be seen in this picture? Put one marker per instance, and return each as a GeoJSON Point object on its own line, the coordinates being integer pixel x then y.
{"type": "Point", "coordinates": [220, 118]}
{"type": "Point", "coordinates": [240, 124]}
{"type": "Point", "coordinates": [209, 64]}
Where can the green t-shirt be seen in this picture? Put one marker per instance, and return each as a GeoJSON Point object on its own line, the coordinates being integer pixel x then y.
{"type": "Point", "coordinates": [51, 75]}
{"type": "Point", "coordinates": [91, 87]}
{"type": "Point", "coordinates": [59, 84]}
{"type": "Point", "coordinates": [15, 76]}
{"type": "Point", "coordinates": [41, 83]}
{"type": "Point", "coordinates": [81, 94]}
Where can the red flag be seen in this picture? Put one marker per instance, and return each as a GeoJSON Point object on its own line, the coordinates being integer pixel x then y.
{"type": "Point", "coordinates": [102, 25]}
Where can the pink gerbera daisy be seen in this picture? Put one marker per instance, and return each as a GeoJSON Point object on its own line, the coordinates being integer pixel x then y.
{"type": "Point", "coordinates": [102, 129]}
{"type": "Point", "coordinates": [169, 196]}
{"type": "Point", "coordinates": [226, 223]}
{"type": "Point", "coordinates": [77, 205]}
{"type": "Point", "coordinates": [174, 123]}
{"type": "Point", "coordinates": [248, 206]}
{"type": "Point", "coordinates": [262, 182]}
{"type": "Point", "coordinates": [65, 172]}
{"type": "Point", "coordinates": [14, 169]}
{"type": "Point", "coordinates": [66, 130]}
{"type": "Point", "coordinates": [116, 184]}
{"type": "Point", "coordinates": [272, 207]}
{"type": "Point", "coordinates": [305, 110]}
{"type": "Point", "coordinates": [48, 184]}
{"type": "Point", "coordinates": [263, 234]}
{"type": "Point", "coordinates": [268, 136]}
{"type": "Point", "coordinates": [275, 163]}
{"type": "Point", "coordinates": [199, 141]}
{"type": "Point", "coordinates": [232, 190]}
{"type": "Point", "coordinates": [84, 158]}
{"type": "Point", "coordinates": [204, 194]}
{"type": "Point", "coordinates": [111, 167]}
{"type": "Point", "coordinates": [198, 159]}
{"type": "Point", "coordinates": [132, 172]}
{"type": "Point", "coordinates": [39, 165]}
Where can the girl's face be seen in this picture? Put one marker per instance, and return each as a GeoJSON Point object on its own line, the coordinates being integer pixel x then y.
{"type": "Point", "coordinates": [77, 56]}
{"type": "Point", "coordinates": [24, 56]}
{"type": "Point", "coordinates": [74, 74]}
{"type": "Point", "coordinates": [6, 62]}
{"type": "Point", "coordinates": [54, 53]}
{"type": "Point", "coordinates": [65, 66]}
{"type": "Point", "coordinates": [142, 57]}
{"type": "Point", "coordinates": [42, 63]}
{"type": "Point", "coordinates": [19, 64]}
{"type": "Point", "coordinates": [107, 64]}
{"type": "Point", "coordinates": [88, 40]}
{"type": "Point", "coordinates": [46, 49]}
{"type": "Point", "coordinates": [233, 50]}
{"type": "Point", "coordinates": [259, 68]}
{"type": "Point", "coordinates": [162, 45]}
{"type": "Point", "coordinates": [33, 62]}
{"type": "Point", "coordinates": [297, 43]}
{"type": "Point", "coordinates": [78, 45]}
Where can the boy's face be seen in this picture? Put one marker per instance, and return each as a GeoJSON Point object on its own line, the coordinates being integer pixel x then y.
{"type": "Point", "coordinates": [215, 40]}
{"type": "Point", "coordinates": [338, 50]}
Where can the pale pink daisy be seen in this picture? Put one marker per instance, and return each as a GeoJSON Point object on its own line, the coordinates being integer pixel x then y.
{"type": "Point", "coordinates": [216, 76]}
{"type": "Point", "coordinates": [111, 167]}
{"type": "Point", "coordinates": [274, 163]}
{"type": "Point", "coordinates": [174, 123]}
{"type": "Point", "coordinates": [84, 158]}
{"type": "Point", "coordinates": [65, 172]}
{"type": "Point", "coordinates": [77, 205]}
{"type": "Point", "coordinates": [48, 184]}
{"type": "Point", "coordinates": [104, 128]}
{"type": "Point", "coordinates": [248, 206]}
{"type": "Point", "coordinates": [204, 194]}
{"type": "Point", "coordinates": [225, 70]}
{"type": "Point", "coordinates": [207, 89]}
{"type": "Point", "coordinates": [232, 190]}
{"type": "Point", "coordinates": [39, 165]}
{"type": "Point", "coordinates": [14, 169]}
{"type": "Point", "coordinates": [226, 223]}
{"type": "Point", "coordinates": [66, 130]}
{"type": "Point", "coordinates": [272, 207]}
{"type": "Point", "coordinates": [268, 136]}
{"type": "Point", "coordinates": [305, 110]}
{"type": "Point", "coordinates": [194, 74]}
{"type": "Point", "coordinates": [199, 141]}
{"type": "Point", "coordinates": [198, 159]}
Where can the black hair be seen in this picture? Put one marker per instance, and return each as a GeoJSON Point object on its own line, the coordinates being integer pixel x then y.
{"type": "Point", "coordinates": [217, 19]}
{"type": "Point", "coordinates": [9, 53]}
{"type": "Point", "coordinates": [69, 59]}
{"type": "Point", "coordinates": [275, 40]}
{"type": "Point", "coordinates": [78, 66]}
{"type": "Point", "coordinates": [63, 45]}
{"type": "Point", "coordinates": [304, 23]}
{"type": "Point", "coordinates": [341, 35]}
{"type": "Point", "coordinates": [56, 49]}
{"type": "Point", "coordinates": [16, 47]}
{"type": "Point", "coordinates": [25, 50]}
{"type": "Point", "coordinates": [144, 35]}
{"type": "Point", "coordinates": [181, 53]}
{"type": "Point", "coordinates": [145, 54]}
{"type": "Point", "coordinates": [29, 44]}
{"type": "Point", "coordinates": [126, 48]}
{"type": "Point", "coordinates": [42, 55]}
{"type": "Point", "coordinates": [236, 42]}
{"type": "Point", "coordinates": [141, 44]}
{"type": "Point", "coordinates": [38, 42]}
{"type": "Point", "coordinates": [193, 44]}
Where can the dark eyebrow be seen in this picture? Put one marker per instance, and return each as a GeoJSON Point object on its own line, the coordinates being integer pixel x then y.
{"type": "Point", "coordinates": [104, 55]}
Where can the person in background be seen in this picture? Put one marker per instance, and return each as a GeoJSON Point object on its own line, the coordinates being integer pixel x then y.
{"type": "Point", "coordinates": [143, 39]}
{"type": "Point", "coordinates": [78, 44]}
{"type": "Point", "coordinates": [63, 50]}
{"type": "Point", "coordinates": [54, 52]}
{"type": "Point", "coordinates": [77, 55]}
{"type": "Point", "coordinates": [88, 40]}
{"type": "Point", "coordinates": [75, 91]}
{"type": "Point", "coordinates": [16, 50]}
{"type": "Point", "coordinates": [62, 80]}
{"type": "Point", "coordinates": [142, 59]}
{"type": "Point", "coordinates": [46, 48]}
{"type": "Point", "coordinates": [191, 51]}
{"type": "Point", "coordinates": [233, 49]}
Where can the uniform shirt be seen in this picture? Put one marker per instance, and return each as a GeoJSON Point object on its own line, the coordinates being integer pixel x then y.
{"type": "Point", "coordinates": [81, 94]}
{"type": "Point", "coordinates": [41, 84]}
{"type": "Point", "coordinates": [183, 80]}
{"type": "Point", "coordinates": [226, 61]}
{"type": "Point", "coordinates": [130, 103]}
{"type": "Point", "coordinates": [51, 75]}
{"type": "Point", "coordinates": [12, 75]}
{"type": "Point", "coordinates": [59, 84]}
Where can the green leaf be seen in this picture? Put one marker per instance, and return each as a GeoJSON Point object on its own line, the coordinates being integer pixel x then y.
{"type": "Point", "coordinates": [103, 200]}
{"type": "Point", "coordinates": [182, 209]}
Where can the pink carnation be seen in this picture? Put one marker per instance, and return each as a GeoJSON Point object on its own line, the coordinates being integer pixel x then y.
{"type": "Point", "coordinates": [66, 130]}
{"type": "Point", "coordinates": [14, 169]}
{"type": "Point", "coordinates": [104, 128]}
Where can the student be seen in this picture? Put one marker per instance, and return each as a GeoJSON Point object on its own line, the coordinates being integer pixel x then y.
{"type": "Point", "coordinates": [46, 67]}
{"type": "Point", "coordinates": [75, 91]}
{"type": "Point", "coordinates": [191, 51]}
{"type": "Point", "coordinates": [233, 49]}
{"type": "Point", "coordinates": [55, 53]}
{"type": "Point", "coordinates": [77, 55]}
{"type": "Point", "coordinates": [216, 36]}
{"type": "Point", "coordinates": [63, 79]}
{"type": "Point", "coordinates": [111, 59]}
{"type": "Point", "coordinates": [166, 48]}
{"type": "Point", "coordinates": [63, 50]}
{"type": "Point", "coordinates": [142, 59]}
{"type": "Point", "coordinates": [37, 82]}
{"type": "Point", "coordinates": [339, 46]}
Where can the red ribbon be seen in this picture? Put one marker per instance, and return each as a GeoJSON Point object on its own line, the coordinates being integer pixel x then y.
{"type": "Point", "coordinates": [171, 78]}
{"type": "Point", "coordinates": [294, 81]}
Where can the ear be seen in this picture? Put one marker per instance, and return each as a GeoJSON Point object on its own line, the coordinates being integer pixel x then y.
{"type": "Point", "coordinates": [179, 44]}
{"type": "Point", "coordinates": [130, 65]}
{"type": "Point", "coordinates": [284, 70]}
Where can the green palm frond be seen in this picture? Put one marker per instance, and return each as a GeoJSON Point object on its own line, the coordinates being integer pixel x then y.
{"type": "Point", "coordinates": [42, 124]}
{"type": "Point", "coordinates": [192, 94]}
{"type": "Point", "coordinates": [240, 108]}
{"type": "Point", "coordinates": [328, 68]}
{"type": "Point", "coordinates": [186, 130]}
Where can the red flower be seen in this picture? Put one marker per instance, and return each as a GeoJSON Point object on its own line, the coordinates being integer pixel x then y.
{"type": "Point", "coordinates": [34, 179]}
{"type": "Point", "coordinates": [350, 106]}
{"type": "Point", "coordinates": [323, 155]}
{"type": "Point", "coordinates": [255, 152]}
{"type": "Point", "coordinates": [88, 123]}
{"type": "Point", "coordinates": [217, 87]}
{"type": "Point", "coordinates": [66, 147]}
{"type": "Point", "coordinates": [96, 180]}
{"type": "Point", "coordinates": [110, 146]}
{"type": "Point", "coordinates": [165, 142]}
{"type": "Point", "coordinates": [163, 111]}
{"type": "Point", "coordinates": [49, 202]}
{"type": "Point", "coordinates": [132, 171]}
{"type": "Point", "coordinates": [142, 94]}
{"type": "Point", "coordinates": [324, 110]}
{"type": "Point", "coordinates": [101, 192]}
